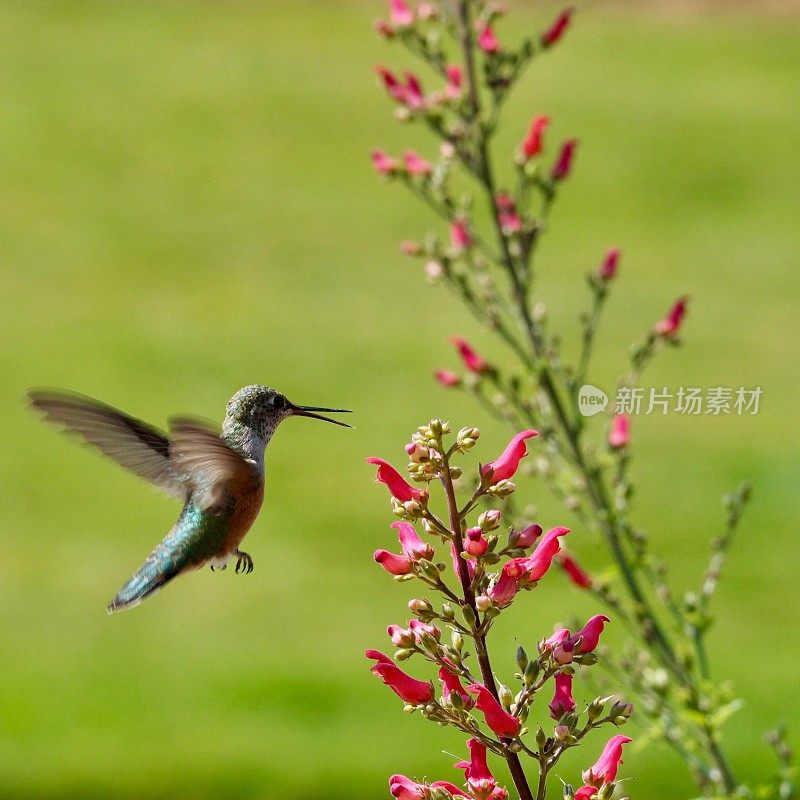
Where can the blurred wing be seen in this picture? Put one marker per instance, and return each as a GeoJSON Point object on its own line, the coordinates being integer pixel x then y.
{"type": "Point", "coordinates": [216, 474]}
{"type": "Point", "coordinates": [135, 445]}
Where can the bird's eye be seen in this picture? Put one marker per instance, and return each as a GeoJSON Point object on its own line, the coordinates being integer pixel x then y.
{"type": "Point", "coordinates": [277, 402]}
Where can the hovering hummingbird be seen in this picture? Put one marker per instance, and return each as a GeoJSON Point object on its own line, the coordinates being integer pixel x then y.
{"type": "Point", "coordinates": [219, 477]}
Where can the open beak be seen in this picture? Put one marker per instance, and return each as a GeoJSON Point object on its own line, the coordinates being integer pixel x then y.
{"type": "Point", "coordinates": [309, 411]}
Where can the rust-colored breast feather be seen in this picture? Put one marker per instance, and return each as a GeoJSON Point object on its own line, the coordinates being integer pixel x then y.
{"type": "Point", "coordinates": [248, 504]}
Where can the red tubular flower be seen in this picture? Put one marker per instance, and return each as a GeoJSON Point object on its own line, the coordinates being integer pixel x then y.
{"type": "Point", "coordinates": [487, 41]}
{"type": "Point", "coordinates": [384, 163]}
{"type": "Point", "coordinates": [620, 432]}
{"type": "Point", "coordinates": [574, 571]}
{"type": "Point", "coordinates": [564, 162]}
{"type": "Point", "coordinates": [408, 689]}
{"type": "Point", "coordinates": [533, 143]}
{"type": "Point", "coordinates": [393, 563]}
{"type": "Point", "coordinates": [507, 464]}
{"type": "Point", "coordinates": [404, 788]}
{"type": "Point", "coordinates": [560, 646]}
{"type": "Point", "coordinates": [539, 561]}
{"type": "Point", "coordinates": [588, 636]}
{"type": "Point", "coordinates": [507, 215]}
{"type": "Point", "coordinates": [416, 164]}
{"type": "Point", "coordinates": [475, 542]}
{"type": "Point", "coordinates": [398, 486]}
{"type": "Point", "coordinates": [556, 30]}
{"type": "Point", "coordinates": [608, 269]}
{"type": "Point", "coordinates": [447, 378]}
{"type": "Point", "coordinates": [400, 13]}
{"type": "Point", "coordinates": [477, 774]}
{"type": "Point", "coordinates": [671, 324]}
{"type": "Point", "coordinates": [562, 702]}
{"type": "Point", "coordinates": [505, 588]}
{"type": "Point", "coordinates": [605, 768]}
{"type": "Point", "coordinates": [526, 537]}
{"type": "Point", "coordinates": [413, 95]}
{"type": "Point", "coordinates": [412, 545]}
{"type": "Point", "coordinates": [454, 81]}
{"type": "Point", "coordinates": [459, 235]}
{"type": "Point", "coordinates": [497, 718]}
{"type": "Point", "coordinates": [586, 793]}
{"type": "Point", "coordinates": [456, 556]}
{"type": "Point", "coordinates": [452, 685]}
{"type": "Point", "coordinates": [392, 85]}
{"type": "Point", "coordinates": [472, 361]}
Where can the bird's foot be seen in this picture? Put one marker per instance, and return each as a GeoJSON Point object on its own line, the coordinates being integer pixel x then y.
{"type": "Point", "coordinates": [219, 567]}
{"type": "Point", "coordinates": [244, 563]}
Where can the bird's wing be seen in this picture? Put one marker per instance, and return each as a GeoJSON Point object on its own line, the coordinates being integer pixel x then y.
{"type": "Point", "coordinates": [135, 445]}
{"type": "Point", "coordinates": [216, 473]}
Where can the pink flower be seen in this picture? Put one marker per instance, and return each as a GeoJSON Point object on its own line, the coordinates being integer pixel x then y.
{"type": "Point", "coordinates": [586, 793]}
{"type": "Point", "coordinates": [411, 544]}
{"type": "Point", "coordinates": [533, 143]}
{"type": "Point", "coordinates": [408, 689]}
{"type": "Point", "coordinates": [456, 556]}
{"type": "Point", "coordinates": [454, 81]}
{"type": "Point", "coordinates": [413, 95]}
{"type": "Point", "coordinates": [416, 164]}
{"type": "Point", "coordinates": [404, 788]}
{"type": "Point", "coordinates": [577, 575]}
{"type": "Point", "coordinates": [409, 93]}
{"type": "Point", "coordinates": [497, 718]}
{"type": "Point", "coordinates": [562, 702]}
{"type": "Point", "coordinates": [384, 163]}
{"type": "Point", "coordinates": [475, 542]}
{"type": "Point", "coordinates": [394, 564]}
{"type": "Point", "coordinates": [539, 561]}
{"type": "Point", "coordinates": [605, 768]}
{"type": "Point", "coordinates": [608, 269]}
{"type": "Point", "coordinates": [452, 685]}
{"type": "Point", "coordinates": [401, 637]}
{"type": "Point", "coordinates": [459, 235]}
{"type": "Point", "coordinates": [526, 537]}
{"type": "Point", "coordinates": [561, 646]}
{"type": "Point", "coordinates": [564, 162]}
{"type": "Point", "coordinates": [391, 83]}
{"type": "Point", "coordinates": [476, 771]}
{"type": "Point", "coordinates": [505, 588]}
{"type": "Point", "coordinates": [510, 221]}
{"type": "Point", "coordinates": [472, 361]}
{"type": "Point", "coordinates": [447, 378]}
{"type": "Point", "coordinates": [399, 488]}
{"type": "Point", "coordinates": [620, 433]}
{"type": "Point", "coordinates": [556, 30]}
{"type": "Point", "coordinates": [400, 13]}
{"type": "Point", "coordinates": [672, 322]}
{"type": "Point", "coordinates": [507, 464]}
{"type": "Point", "coordinates": [588, 636]}
{"type": "Point", "coordinates": [487, 41]}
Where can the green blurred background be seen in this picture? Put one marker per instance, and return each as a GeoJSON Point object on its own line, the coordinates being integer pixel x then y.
{"type": "Point", "coordinates": [188, 207]}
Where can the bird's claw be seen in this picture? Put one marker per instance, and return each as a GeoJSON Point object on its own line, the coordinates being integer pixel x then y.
{"type": "Point", "coordinates": [244, 563]}
{"type": "Point", "coordinates": [219, 567]}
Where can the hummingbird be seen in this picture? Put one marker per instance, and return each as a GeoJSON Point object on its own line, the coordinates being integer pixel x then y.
{"type": "Point", "coordinates": [218, 476]}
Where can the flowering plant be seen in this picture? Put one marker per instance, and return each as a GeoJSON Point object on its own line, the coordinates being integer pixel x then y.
{"type": "Point", "coordinates": [486, 259]}
{"type": "Point", "coordinates": [480, 577]}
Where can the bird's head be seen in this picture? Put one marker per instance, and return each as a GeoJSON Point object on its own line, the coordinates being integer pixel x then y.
{"type": "Point", "coordinates": [260, 409]}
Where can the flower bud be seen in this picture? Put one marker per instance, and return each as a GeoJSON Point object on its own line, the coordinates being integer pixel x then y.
{"type": "Point", "coordinates": [466, 438]}
{"type": "Point", "coordinates": [502, 489]}
{"type": "Point", "coordinates": [483, 603]}
{"type": "Point", "coordinates": [489, 520]}
{"type": "Point", "coordinates": [447, 612]}
{"type": "Point", "coordinates": [506, 698]}
{"type": "Point", "coordinates": [458, 641]}
{"type": "Point", "coordinates": [420, 607]}
{"type": "Point", "coordinates": [522, 658]}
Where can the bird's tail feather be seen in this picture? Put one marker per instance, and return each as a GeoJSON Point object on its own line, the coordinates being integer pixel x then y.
{"type": "Point", "coordinates": [149, 579]}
